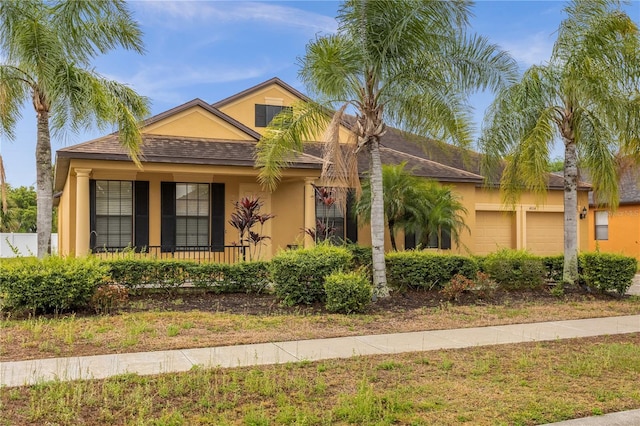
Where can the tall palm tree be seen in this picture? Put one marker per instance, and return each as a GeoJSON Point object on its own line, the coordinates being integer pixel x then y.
{"type": "Point", "coordinates": [409, 63]}
{"type": "Point", "coordinates": [47, 47]}
{"type": "Point", "coordinates": [587, 96]}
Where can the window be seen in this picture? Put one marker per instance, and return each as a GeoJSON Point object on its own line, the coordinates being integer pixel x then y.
{"type": "Point", "coordinates": [192, 214]}
{"type": "Point", "coordinates": [422, 240]}
{"type": "Point", "coordinates": [113, 214]}
{"type": "Point", "coordinates": [265, 113]}
{"type": "Point", "coordinates": [602, 225]}
{"type": "Point", "coordinates": [329, 216]}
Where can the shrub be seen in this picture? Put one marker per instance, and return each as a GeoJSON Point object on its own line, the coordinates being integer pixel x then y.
{"type": "Point", "coordinates": [348, 292]}
{"type": "Point", "coordinates": [109, 297]}
{"type": "Point", "coordinates": [53, 284]}
{"type": "Point", "coordinates": [553, 268]}
{"type": "Point", "coordinates": [420, 269]}
{"type": "Point", "coordinates": [362, 256]}
{"type": "Point", "coordinates": [456, 286]}
{"type": "Point", "coordinates": [247, 277]}
{"type": "Point", "coordinates": [131, 273]}
{"type": "Point", "coordinates": [298, 275]}
{"type": "Point", "coordinates": [484, 287]}
{"type": "Point", "coordinates": [515, 269]}
{"type": "Point", "coordinates": [607, 271]}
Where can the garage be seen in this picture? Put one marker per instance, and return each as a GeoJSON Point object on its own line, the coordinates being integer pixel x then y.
{"type": "Point", "coordinates": [494, 230]}
{"type": "Point", "coordinates": [545, 232]}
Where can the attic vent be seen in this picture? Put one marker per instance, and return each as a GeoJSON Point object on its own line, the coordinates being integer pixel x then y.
{"type": "Point", "coordinates": [274, 101]}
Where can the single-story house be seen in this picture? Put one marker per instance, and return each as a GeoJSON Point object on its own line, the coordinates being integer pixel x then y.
{"type": "Point", "coordinates": [198, 160]}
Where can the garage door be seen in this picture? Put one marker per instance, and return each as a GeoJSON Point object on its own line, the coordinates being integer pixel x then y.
{"type": "Point", "coordinates": [545, 233]}
{"type": "Point", "coordinates": [494, 230]}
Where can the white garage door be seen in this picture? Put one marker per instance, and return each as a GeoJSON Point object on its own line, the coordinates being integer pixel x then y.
{"type": "Point", "coordinates": [494, 230]}
{"type": "Point", "coordinates": [545, 233]}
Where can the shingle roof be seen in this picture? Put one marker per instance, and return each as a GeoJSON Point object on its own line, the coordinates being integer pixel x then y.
{"type": "Point", "coordinates": [417, 165]}
{"type": "Point", "coordinates": [172, 149]}
{"type": "Point", "coordinates": [628, 186]}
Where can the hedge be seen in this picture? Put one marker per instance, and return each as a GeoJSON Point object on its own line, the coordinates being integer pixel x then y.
{"type": "Point", "coordinates": [50, 285]}
{"type": "Point", "coordinates": [421, 269]}
{"type": "Point", "coordinates": [607, 271]}
{"type": "Point", "coordinates": [515, 269]}
{"type": "Point", "coordinates": [298, 275]}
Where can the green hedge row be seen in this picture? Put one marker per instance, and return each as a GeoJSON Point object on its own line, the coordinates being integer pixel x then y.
{"type": "Point", "coordinates": [136, 274]}
{"type": "Point", "coordinates": [53, 284]}
{"type": "Point", "coordinates": [422, 269]}
{"type": "Point", "coordinates": [298, 276]}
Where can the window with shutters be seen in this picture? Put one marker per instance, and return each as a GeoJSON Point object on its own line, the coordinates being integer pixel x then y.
{"type": "Point", "coordinates": [192, 214]}
{"type": "Point", "coordinates": [602, 225]}
{"type": "Point", "coordinates": [265, 113]}
{"type": "Point", "coordinates": [113, 214]}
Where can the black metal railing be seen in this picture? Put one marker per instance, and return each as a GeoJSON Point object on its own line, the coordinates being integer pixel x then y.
{"type": "Point", "coordinates": [226, 254]}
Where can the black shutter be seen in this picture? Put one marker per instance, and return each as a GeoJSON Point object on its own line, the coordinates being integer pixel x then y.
{"type": "Point", "coordinates": [92, 214]}
{"type": "Point", "coordinates": [217, 217]}
{"type": "Point", "coordinates": [352, 220]}
{"type": "Point", "coordinates": [409, 240]}
{"type": "Point", "coordinates": [445, 243]}
{"type": "Point", "coordinates": [261, 115]}
{"type": "Point", "coordinates": [168, 208]}
{"type": "Point", "coordinates": [141, 215]}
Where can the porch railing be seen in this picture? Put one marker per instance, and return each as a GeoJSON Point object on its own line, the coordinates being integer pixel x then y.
{"type": "Point", "coordinates": [226, 254]}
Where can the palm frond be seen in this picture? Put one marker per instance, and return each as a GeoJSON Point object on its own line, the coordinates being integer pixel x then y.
{"type": "Point", "coordinates": [284, 136]}
{"type": "Point", "coordinates": [3, 187]}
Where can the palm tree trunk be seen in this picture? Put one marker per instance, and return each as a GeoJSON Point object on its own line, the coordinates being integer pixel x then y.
{"type": "Point", "coordinates": [570, 270]}
{"type": "Point", "coordinates": [377, 220]}
{"type": "Point", "coordinates": [44, 184]}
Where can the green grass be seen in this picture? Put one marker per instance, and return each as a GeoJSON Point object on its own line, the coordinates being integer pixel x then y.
{"type": "Point", "coordinates": [522, 384]}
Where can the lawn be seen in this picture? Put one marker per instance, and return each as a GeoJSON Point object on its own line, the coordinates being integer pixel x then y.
{"type": "Point", "coordinates": [191, 320]}
{"type": "Point", "coordinates": [521, 384]}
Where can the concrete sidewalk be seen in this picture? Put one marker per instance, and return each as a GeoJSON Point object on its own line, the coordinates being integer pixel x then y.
{"type": "Point", "coordinates": [19, 373]}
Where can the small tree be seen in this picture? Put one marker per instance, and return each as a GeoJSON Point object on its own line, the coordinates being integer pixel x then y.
{"type": "Point", "coordinates": [244, 218]}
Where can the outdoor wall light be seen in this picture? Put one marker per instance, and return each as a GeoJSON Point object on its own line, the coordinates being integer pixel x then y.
{"type": "Point", "coordinates": [583, 213]}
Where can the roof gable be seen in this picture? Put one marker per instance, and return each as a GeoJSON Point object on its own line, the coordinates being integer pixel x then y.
{"type": "Point", "coordinates": [199, 120]}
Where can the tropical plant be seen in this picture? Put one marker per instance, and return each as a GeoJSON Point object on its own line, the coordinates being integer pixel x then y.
{"type": "Point", "coordinates": [587, 96]}
{"type": "Point", "coordinates": [47, 48]}
{"type": "Point", "coordinates": [244, 218]}
{"type": "Point", "coordinates": [388, 62]}
{"type": "Point", "coordinates": [415, 205]}
{"type": "Point", "coordinates": [446, 213]}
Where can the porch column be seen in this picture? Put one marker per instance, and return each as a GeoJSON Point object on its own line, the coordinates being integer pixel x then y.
{"type": "Point", "coordinates": [82, 212]}
{"type": "Point", "coordinates": [309, 211]}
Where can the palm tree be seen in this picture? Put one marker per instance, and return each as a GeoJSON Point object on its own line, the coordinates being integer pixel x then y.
{"type": "Point", "coordinates": [588, 96]}
{"type": "Point", "coordinates": [408, 63]}
{"type": "Point", "coordinates": [47, 47]}
{"type": "Point", "coordinates": [446, 214]}
{"type": "Point", "coordinates": [415, 205]}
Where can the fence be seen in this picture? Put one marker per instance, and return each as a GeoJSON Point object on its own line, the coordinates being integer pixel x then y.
{"type": "Point", "coordinates": [226, 254]}
{"type": "Point", "coordinates": [13, 245]}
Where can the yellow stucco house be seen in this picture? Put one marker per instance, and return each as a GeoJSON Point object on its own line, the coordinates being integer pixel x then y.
{"type": "Point", "coordinates": [198, 160]}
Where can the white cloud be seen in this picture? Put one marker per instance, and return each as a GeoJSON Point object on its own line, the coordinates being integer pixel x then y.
{"type": "Point", "coordinates": [532, 50]}
{"type": "Point", "coordinates": [166, 83]}
{"type": "Point", "coordinates": [179, 13]}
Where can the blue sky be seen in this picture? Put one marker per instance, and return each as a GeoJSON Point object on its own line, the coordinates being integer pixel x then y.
{"type": "Point", "coordinates": [213, 49]}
